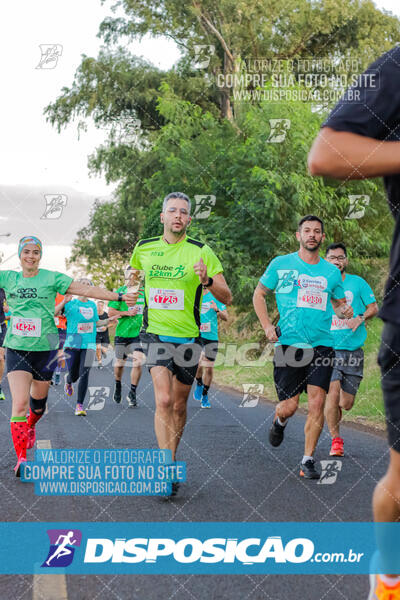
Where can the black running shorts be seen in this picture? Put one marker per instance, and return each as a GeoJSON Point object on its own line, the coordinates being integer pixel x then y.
{"type": "Point", "coordinates": [41, 364]}
{"type": "Point", "coordinates": [126, 346]}
{"type": "Point", "coordinates": [210, 348]}
{"type": "Point", "coordinates": [181, 359]}
{"type": "Point", "coordinates": [295, 368]}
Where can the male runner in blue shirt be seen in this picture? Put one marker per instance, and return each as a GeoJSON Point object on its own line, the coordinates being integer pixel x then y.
{"type": "Point", "coordinates": [304, 285]}
{"type": "Point", "coordinates": [349, 336]}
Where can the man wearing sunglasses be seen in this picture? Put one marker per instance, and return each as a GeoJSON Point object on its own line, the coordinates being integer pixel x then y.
{"type": "Point", "coordinates": [349, 336]}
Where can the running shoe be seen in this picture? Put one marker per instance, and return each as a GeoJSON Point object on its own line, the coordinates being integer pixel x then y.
{"type": "Point", "coordinates": [131, 397]}
{"type": "Point", "coordinates": [68, 388]}
{"type": "Point", "coordinates": [198, 392]}
{"type": "Point", "coordinates": [2, 396]}
{"type": "Point", "coordinates": [308, 470]}
{"type": "Point", "coordinates": [276, 433]}
{"type": "Point", "coordinates": [205, 403]}
{"type": "Point", "coordinates": [31, 438]}
{"type": "Point", "coordinates": [80, 411]}
{"type": "Point", "coordinates": [17, 468]}
{"type": "Point", "coordinates": [337, 447]}
{"type": "Point", "coordinates": [117, 394]}
{"type": "Point", "coordinates": [380, 591]}
{"type": "Point", "coordinates": [174, 489]}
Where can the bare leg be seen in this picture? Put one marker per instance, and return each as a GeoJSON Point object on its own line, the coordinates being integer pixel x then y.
{"type": "Point", "coordinates": [386, 499]}
{"type": "Point", "coordinates": [199, 372]}
{"type": "Point", "coordinates": [163, 417]}
{"type": "Point", "coordinates": [315, 418]}
{"type": "Point", "coordinates": [332, 411]}
{"type": "Point", "coordinates": [119, 369]}
{"type": "Point", "coordinates": [136, 371]}
{"type": "Point", "coordinates": [180, 393]}
{"type": "Point", "coordinates": [2, 362]}
{"type": "Point", "coordinates": [287, 408]}
{"type": "Point", "coordinates": [20, 386]}
{"type": "Point", "coordinates": [208, 373]}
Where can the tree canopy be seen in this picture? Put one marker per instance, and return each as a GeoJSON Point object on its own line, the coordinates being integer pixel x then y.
{"type": "Point", "coordinates": [182, 130]}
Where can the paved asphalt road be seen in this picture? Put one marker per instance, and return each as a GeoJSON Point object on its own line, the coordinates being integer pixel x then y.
{"type": "Point", "coordinates": [233, 475]}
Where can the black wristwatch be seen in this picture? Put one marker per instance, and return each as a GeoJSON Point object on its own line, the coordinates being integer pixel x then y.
{"type": "Point", "coordinates": [209, 282]}
{"type": "Point", "coordinates": [120, 294]}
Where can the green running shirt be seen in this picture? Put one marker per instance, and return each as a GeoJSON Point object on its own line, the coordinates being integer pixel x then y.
{"type": "Point", "coordinates": [172, 289]}
{"type": "Point", "coordinates": [128, 327]}
{"type": "Point", "coordinates": [32, 301]}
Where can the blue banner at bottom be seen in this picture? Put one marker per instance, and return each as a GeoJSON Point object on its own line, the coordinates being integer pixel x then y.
{"type": "Point", "coordinates": [206, 548]}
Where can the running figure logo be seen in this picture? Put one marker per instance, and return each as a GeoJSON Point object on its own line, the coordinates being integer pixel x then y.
{"type": "Point", "coordinates": [55, 204]}
{"type": "Point", "coordinates": [251, 394]}
{"type": "Point", "coordinates": [358, 204]}
{"type": "Point", "coordinates": [204, 205]}
{"type": "Point", "coordinates": [62, 547]}
{"type": "Point", "coordinates": [98, 396]}
{"type": "Point", "coordinates": [50, 54]}
{"type": "Point", "coordinates": [202, 56]}
{"type": "Point", "coordinates": [330, 471]}
{"type": "Point", "coordinates": [279, 129]}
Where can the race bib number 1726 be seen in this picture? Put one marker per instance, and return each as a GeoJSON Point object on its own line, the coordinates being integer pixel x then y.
{"type": "Point", "coordinates": [166, 299]}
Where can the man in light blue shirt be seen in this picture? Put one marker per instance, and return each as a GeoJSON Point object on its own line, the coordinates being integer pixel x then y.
{"type": "Point", "coordinates": [349, 336]}
{"type": "Point", "coordinates": [305, 286]}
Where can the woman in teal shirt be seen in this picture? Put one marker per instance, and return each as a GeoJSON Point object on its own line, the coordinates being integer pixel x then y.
{"type": "Point", "coordinates": [80, 343]}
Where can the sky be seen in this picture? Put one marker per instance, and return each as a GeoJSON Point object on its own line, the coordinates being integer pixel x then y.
{"type": "Point", "coordinates": [32, 152]}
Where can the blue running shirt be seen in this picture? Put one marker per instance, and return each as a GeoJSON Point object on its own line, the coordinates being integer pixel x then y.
{"type": "Point", "coordinates": [303, 294]}
{"type": "Point", "coordinates": [208, 317]}
{"type": "Point", "coordinates": [359, 294]}
{"type": "Point", "coordinates": [81, 324]}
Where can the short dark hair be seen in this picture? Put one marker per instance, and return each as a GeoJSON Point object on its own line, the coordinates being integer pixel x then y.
{"type": "Point", "coordinates": [310, 218]}
{"type": "Point", "coordinates": [335, 247]}
{"type": "Point", "coordinates": [179, 195]}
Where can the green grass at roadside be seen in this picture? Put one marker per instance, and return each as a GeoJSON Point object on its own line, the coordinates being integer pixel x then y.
{"type": "Point", "coordinates": [368, 406]}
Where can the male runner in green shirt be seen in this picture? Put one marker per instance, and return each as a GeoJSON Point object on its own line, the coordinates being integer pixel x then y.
{"type": "Point", "coordinates": [127, 344]}
{"type": "Point", "coordinates": [176, 270]}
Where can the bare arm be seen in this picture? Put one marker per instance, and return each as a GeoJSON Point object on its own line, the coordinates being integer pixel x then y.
{"type": "Point", "coordinates": [61, 304]}
{"type": "Point", "coordinates": [58, 309]}
{"type": "Point", "coordinates": [371, 311]}
{"type": "Point", "coordinates": [80, 289]}
{"type": "Point", "coordinates": [106, 322]}
{"type": "Point", "coordinates": [220, 289]}
{"type": "Point", "coordinates": [346, 155]}
{"type": "Point", "coordinates": [260, 306]}
{"type": "Point", "coordinates": [113, 312]}
{"type": "Point", "coordinates": [223, 315]}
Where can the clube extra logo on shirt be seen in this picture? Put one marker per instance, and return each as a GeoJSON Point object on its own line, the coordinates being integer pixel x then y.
{"type": "Point", "coordinates": [167, 271]}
